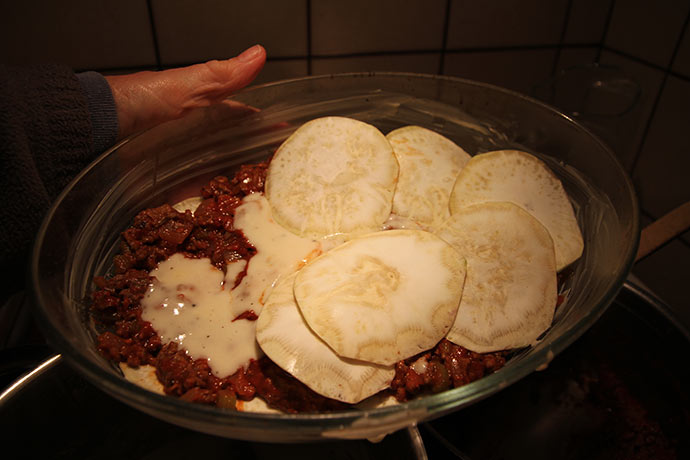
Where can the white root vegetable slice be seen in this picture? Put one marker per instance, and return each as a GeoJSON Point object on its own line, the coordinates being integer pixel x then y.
{"type": "Point", "coordinates": [256, 405]}
{"type": "Point", "coordinates": [332, 175]}
{"type": "Point", "coordinates": [384, 296]}
{"type": "Point", "coordinates": [144, 376]}
{"type": "Point", "coordinates": [510, 291]}
{"type": "Point", "coordinates": [189, 204]}
{"type": "Point", "coordinates": [429, 164]}
{"type": "Point", "coordinates": [285, 337]}
{"type": "Point", "coordinates": [523, 179]}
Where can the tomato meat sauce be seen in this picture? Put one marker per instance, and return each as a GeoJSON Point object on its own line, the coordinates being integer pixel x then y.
{"type": "Point", "coordinates": [158, 233]}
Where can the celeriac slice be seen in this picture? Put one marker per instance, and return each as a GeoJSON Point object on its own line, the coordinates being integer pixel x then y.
{"type": "Point", "coordinates": [510, 290]}
{"type": "Point", "coordinates": [429, 164]}
{"type": "Point", "coordinates": [332, 175]}
{"type": "Point", "coordinates": [144, 376]}
{"type": "Point", "coordinates": [285, 337]}
{"type": "Point", "coordinates": [384, 296]}
{"type": "Point", "coordinates": [522, 179]}
{"type": "Point", "coordinates": [188, 204]}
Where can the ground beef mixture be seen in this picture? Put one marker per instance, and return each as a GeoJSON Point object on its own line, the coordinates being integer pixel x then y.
{"type": "Point", "coordinates": [446, 366]}
{"type": "Point", "coordinates": [155, 235]}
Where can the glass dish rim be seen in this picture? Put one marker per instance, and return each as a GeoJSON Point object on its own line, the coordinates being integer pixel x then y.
{"type": "Point", "coordinates": [431, 405]}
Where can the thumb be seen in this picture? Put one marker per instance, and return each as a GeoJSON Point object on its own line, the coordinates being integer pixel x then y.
{"type": "Point", "coordinates": [145, 99]}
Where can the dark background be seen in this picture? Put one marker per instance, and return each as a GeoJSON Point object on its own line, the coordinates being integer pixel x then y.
{"type": "Point", "coordinates": [518, 44]}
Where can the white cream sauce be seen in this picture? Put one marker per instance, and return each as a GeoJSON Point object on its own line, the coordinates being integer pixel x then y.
{"type": "Point", "coordinates": [187, 303]}
{"type": "Point", "coordinates": [192, 303]}
{"type": "Point", "coordinates": [279, 252]}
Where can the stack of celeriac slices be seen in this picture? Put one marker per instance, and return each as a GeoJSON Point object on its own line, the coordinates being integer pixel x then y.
{"type": "Point", "coordinates": [475, 261]}
{"type": "Point", "coordinates": [435, 244]}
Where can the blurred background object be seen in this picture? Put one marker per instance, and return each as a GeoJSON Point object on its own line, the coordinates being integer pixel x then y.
{"type": "Point", "coordinates": [521, 45]}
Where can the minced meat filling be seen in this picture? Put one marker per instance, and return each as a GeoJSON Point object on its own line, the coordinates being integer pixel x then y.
{"type": "Point", "coordinates": [158, 233]}
{"type": "Point", "coordinates": [446, 366]}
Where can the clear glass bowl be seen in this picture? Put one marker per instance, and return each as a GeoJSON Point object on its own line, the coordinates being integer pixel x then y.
{"type": "Point", "coordinates": [166, 164]}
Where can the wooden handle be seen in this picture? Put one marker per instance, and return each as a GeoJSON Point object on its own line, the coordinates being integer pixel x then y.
{"type": "Point", "coordinates": [661, 231]}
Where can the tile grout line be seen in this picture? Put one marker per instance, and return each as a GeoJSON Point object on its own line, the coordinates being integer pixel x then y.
{"type": "Point", "coordinates": [646, 63]}
{"type": "Point", "coordinates": [444, 40]}
{"type": "Point", "coordinates": [455, 50]}
{"type": "Point", "coordinates": [607, 24]}
{"type": "Point", "coordinates": [154, 35]}
{"type": "Point", "coordinates": [309, 40]}
{"type": "Point", "coordinates": [384, 53]}
{"type": "Point", "coordinates": [561, 39]}
{"type": "Point", "coordinates": [402, 53]}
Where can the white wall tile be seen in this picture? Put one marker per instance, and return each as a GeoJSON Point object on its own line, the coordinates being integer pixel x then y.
{"type": "Point", "coordinates": [570, 57]}
{"type": "Point", "coordinates": [416, 63]}
{"type": "Point", "coordinates": [661, 175]}
{"type": "Point", "coordinates": [519, 70]}
{"type": "Point", "coordinates": [193, 31]}
{"type": "Point", "coordinates": [494, 23]}
{"type": "Point", "coordinates": [616, 115]}
{"type": "Point", "coordinates": [363, 26]}
{"type": "Point", "coordinates": [682, 62]}
{"type": "Point", "coordinates": [84, 34]}
{"type": "Point", "coordinates": [628, 141]}
{"type": "Point", "coordinates": [560, 89]}
{"type": "Point", "coordinates": [586, 21]}
{"type": "Point", "coordinates": [281, 70]}
{"type": "Point", "coordinates": [647, 30]}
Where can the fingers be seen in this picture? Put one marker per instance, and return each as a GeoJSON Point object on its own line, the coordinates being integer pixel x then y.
{"type": "Point", "coordinates": [145, 99]}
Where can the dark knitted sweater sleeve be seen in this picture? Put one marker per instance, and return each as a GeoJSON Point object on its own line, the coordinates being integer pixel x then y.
{"type": "Point", "coordinates": [46, 138]}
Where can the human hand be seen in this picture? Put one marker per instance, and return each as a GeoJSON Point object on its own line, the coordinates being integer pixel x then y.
{"type": "Point", "coordinates": [145, 99]}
